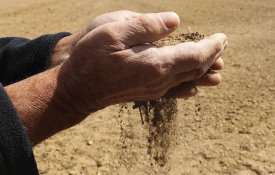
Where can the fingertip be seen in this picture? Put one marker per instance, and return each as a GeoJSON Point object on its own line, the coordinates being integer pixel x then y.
{"type": "Point", "coordinates": [187, 93]}
{"type": "Point", "coordinates": [219, 35]}
{"type": "Point", "coordinates": [184, 90]}
{"type": "Point", "coordinates": [220, 38]}
{"type": "Point", "coordinates": [170, 19]}
{"type": "Point", "coordinates": [215, 79]}
{"type": "Point", "coordinates": [210, 79]}
{"type": "Point", "coordinates": [218, 64]}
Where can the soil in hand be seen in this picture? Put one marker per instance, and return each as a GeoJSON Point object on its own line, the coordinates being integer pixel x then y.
{"type": "Point", "coordinates": [158, 115]}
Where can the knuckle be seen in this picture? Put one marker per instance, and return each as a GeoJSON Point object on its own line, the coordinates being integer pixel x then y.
{"type": "Point", "coordinates": [109, 34]}
{"type": "Point", "coordinates": [146, 24]}
{"type": "Point", "coordinates": [156, 68]}
{"type": "Point", "coordinates": [161, 69]}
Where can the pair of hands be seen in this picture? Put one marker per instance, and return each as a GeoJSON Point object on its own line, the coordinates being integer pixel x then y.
{"type": "Point", "coordinates": [110, 62]}
{"type": "Point", "coordinates": [123, 68]}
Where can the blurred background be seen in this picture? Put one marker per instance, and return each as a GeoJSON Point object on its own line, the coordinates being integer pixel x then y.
{"type": "Point", "coordinates": [229, 129]}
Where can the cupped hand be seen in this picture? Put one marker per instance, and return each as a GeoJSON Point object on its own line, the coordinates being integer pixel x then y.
{"type": "Point", "coordinates": [113, 63]}
{"type": "Point", "coordinates": [65, 46]}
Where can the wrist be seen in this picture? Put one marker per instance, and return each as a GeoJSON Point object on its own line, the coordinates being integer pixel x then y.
{"type": "Point", "coordinates": [63, 49]}
{"type": "Point", "coordinates": [43, 105]}
{"type": "Point", "coordinates": [76, 93]}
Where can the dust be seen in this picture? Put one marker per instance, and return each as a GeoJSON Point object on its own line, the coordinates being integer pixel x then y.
{"type": "Point", "coordinates": [158, 120]}
{"type": "Point", "coordinates": [158, 115]}
{"type": "Point", "coordinates": [126, 138]}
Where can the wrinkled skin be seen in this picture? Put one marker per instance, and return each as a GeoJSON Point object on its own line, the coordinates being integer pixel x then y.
{"type": "Point", "coordinates": [110, 61]}
{"type": "Point", "coordinates": [124, 68]}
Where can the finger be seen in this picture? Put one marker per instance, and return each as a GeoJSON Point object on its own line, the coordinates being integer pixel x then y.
{"type": "Point", "coordinates": [117, 16]}
{"type": "Point", "coordinates": [218, 64]}
{"type": "Point", "coordinates": [194, 56]}
{"type": "Point", "coordinates": [145, 28]}
{"type": "Point", "coordinates": [212, 78]}
{"type": "Point", "coordinates": [216, 44]}
{"type": "Point", "coordinates": [191, 75]}
{"type": "Point", "coordinates": [217, 41]}
{"type": "Point", "coordinates": [189, 89]}
{"type": "Point", "coordinates": [184, 90]}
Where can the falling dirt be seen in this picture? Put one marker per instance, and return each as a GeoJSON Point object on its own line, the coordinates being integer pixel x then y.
{"type": "Point", "coordinates": [158, 115]}
{"type": "Point", "coordinates": [228, 129]}
{"type": "Point", "coordinates": [158, 121]}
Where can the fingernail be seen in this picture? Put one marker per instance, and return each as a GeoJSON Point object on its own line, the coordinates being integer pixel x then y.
{"type": "Point", "coordinates": [225, 44]}
{"type": "Point", "coordinates": [170, 19]}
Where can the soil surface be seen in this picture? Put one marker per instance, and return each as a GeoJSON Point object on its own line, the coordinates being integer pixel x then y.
{"type": "Point", "coordinates": [229, 129]}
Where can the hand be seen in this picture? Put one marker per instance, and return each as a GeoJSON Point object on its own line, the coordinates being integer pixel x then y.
{"type": "Point", "coordinates": [188, 89]}
{"type": "Point", "coordinates": [64, 47]}
{"type": "Point", "coordinates": [113, 64]}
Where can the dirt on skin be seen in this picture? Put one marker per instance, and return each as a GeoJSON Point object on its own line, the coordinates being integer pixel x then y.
{"type": "Point", "coordinates": [229, 129]}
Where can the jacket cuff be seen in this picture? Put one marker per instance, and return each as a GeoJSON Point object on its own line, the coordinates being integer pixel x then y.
{"type": "Point", "coordinates": [45, 45]}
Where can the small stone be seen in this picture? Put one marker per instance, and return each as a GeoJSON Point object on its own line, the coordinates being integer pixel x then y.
{"type": "Point", "coordinates": [89, 143]}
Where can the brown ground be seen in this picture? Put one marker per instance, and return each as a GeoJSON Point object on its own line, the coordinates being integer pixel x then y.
{"type": "Point", "coordinates": [232, 133]}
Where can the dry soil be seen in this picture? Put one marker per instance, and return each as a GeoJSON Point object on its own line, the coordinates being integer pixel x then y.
{"type": "Point", "coordinates": [229, 129]}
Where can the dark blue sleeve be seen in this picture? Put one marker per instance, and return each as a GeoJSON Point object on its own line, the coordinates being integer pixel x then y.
{"type": "Point", "coordinates": [21, 58]}
{"type": "Point", "coordinates": [16, 155]}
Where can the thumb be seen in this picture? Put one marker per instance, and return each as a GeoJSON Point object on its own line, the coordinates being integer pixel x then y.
{"type": "Point", "coordinates": [145, 28]}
